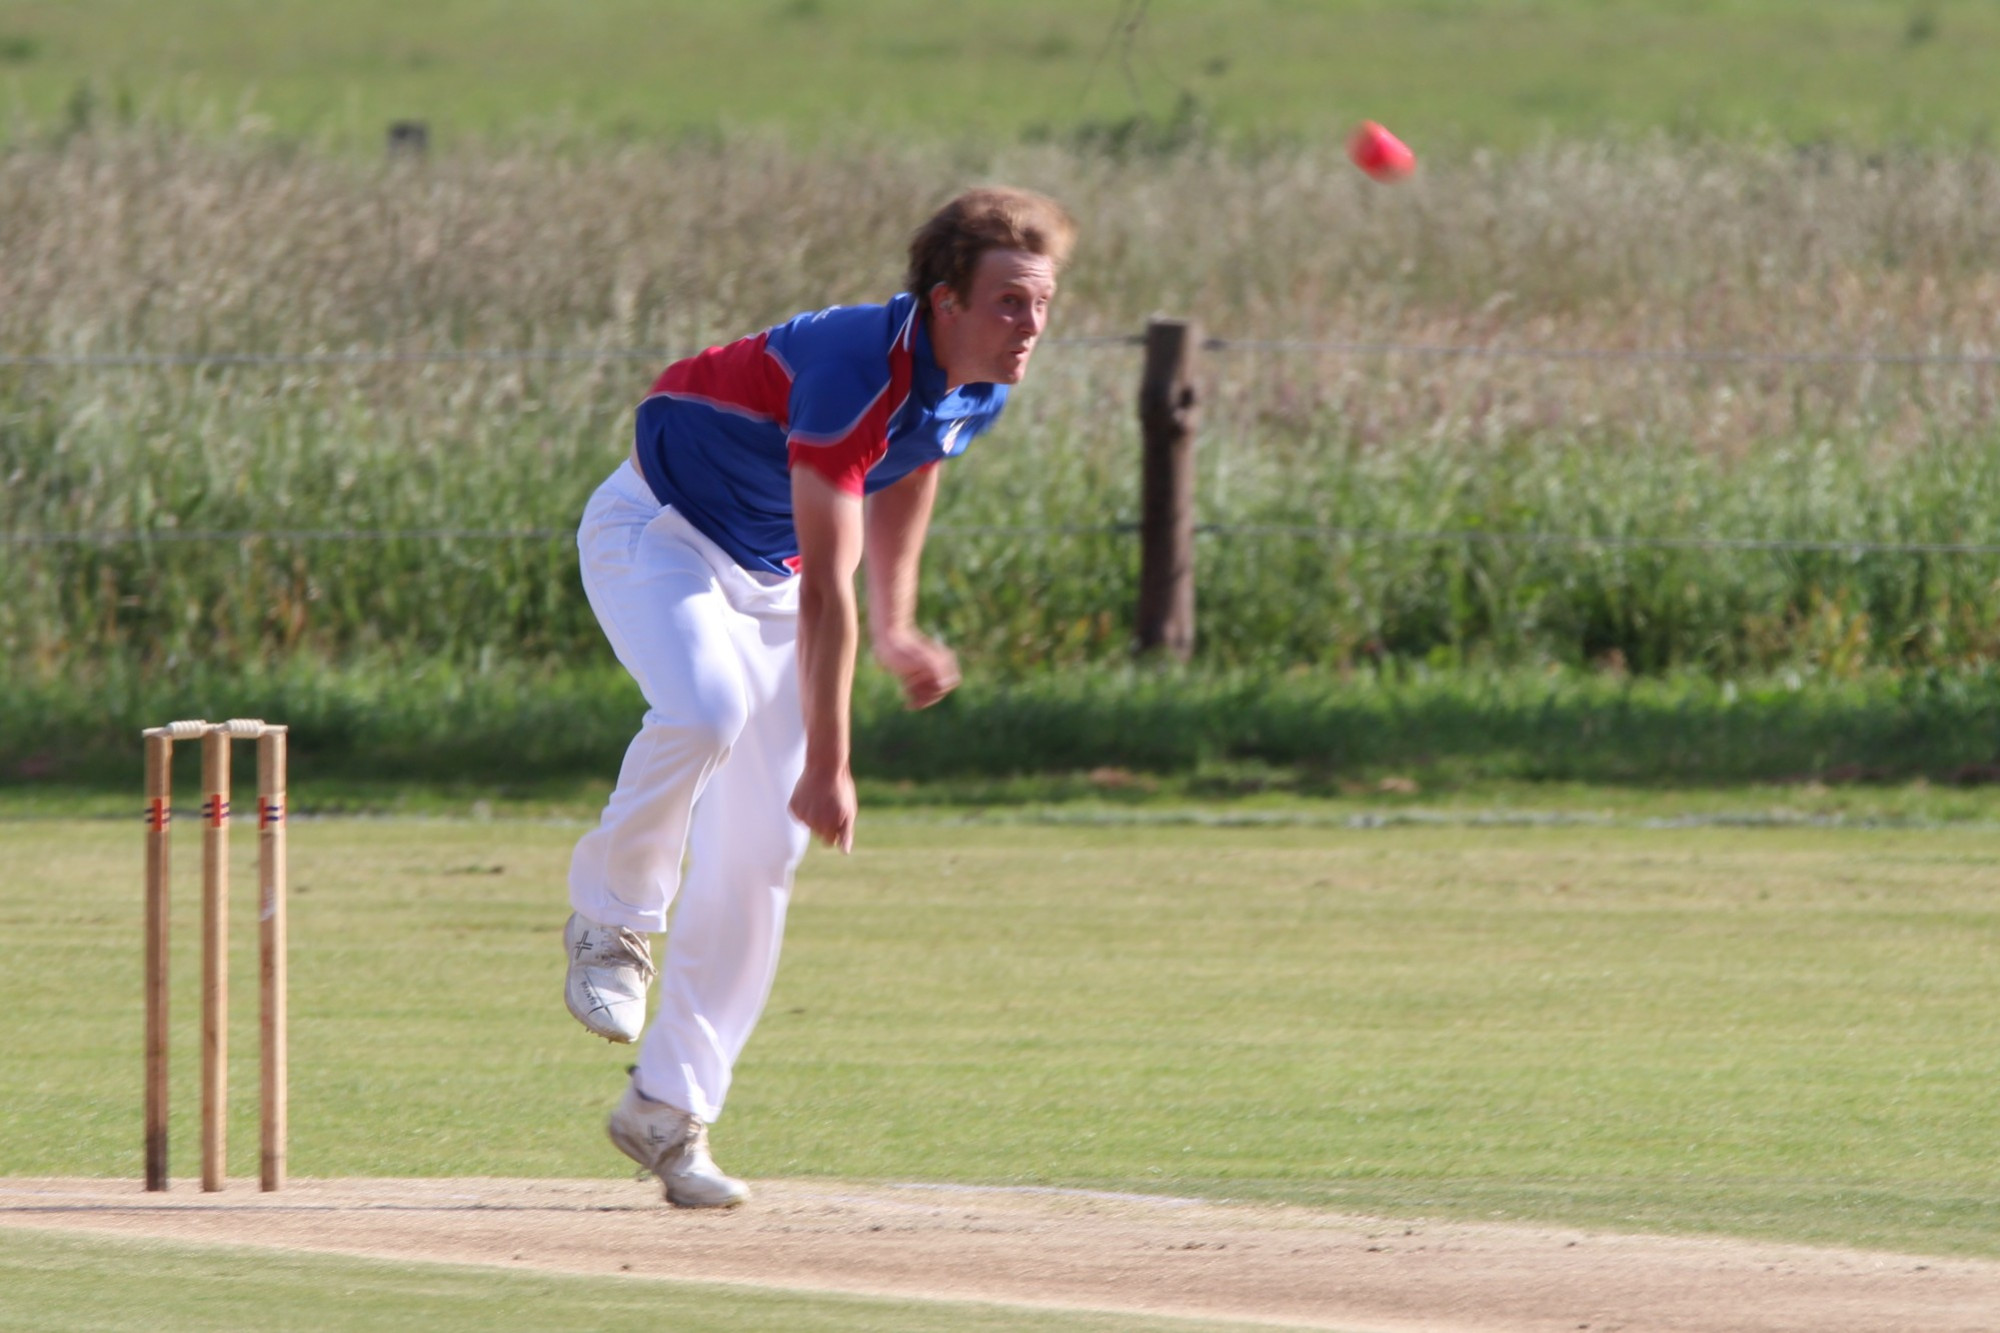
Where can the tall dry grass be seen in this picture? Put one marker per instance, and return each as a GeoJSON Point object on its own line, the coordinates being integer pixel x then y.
{"type": "Point", "coordinates": [149, 242]}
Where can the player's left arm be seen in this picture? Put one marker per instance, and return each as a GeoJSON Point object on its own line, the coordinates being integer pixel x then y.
{"type": "Point", "coordinates": [897, 519]}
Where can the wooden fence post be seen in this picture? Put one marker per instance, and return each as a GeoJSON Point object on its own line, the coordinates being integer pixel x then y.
{"type": "Point", "coordinates": [1169, 410]}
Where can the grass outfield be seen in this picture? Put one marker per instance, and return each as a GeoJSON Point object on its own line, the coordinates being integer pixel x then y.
{"type": "Point", "coordinates": [1781, 1033]}
{"type": "Point", "coordinates": [1479, 71]}
{"type": "Point", "coordinates": [65, 1282]}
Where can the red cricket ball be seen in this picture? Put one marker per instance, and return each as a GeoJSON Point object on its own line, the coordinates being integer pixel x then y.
{"type": "Point", "coordinates": [1380, 153]}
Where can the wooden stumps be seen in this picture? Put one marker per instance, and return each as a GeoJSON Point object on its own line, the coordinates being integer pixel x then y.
{"type": "Point", "coordinates": [159, 818]}
{"type": "Point", "coordinates": [272, 950]}
{"type": "Point", "coordinates": [214, 959]}
{"type": "Point", "coordinates": [1169, 411]}
{"type": "Point", "coordinates": [215, 738]}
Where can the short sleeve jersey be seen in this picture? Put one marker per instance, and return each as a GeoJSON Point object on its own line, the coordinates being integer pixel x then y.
{"type": "Point", "coordinates": [852, 392]}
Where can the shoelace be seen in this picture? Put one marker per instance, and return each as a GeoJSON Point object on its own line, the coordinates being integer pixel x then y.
{"type": "Point", "coordinates": [630, 946]}
{"type": "Point", "coordinates": [694, 1141]}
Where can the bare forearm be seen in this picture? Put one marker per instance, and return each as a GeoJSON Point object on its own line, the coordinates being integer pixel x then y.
{"type": "Point", "coordinates": [892, 598]}
{"type": "Point", "coordinates": [898, 520]}
{"type": "Point", "coordinates": [829, 633]}
{"type": "Point", "coordinates": [829, 523]}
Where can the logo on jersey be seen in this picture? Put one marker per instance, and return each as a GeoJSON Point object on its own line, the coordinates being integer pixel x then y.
{"type": "Point", "coordinates": [950, 443]}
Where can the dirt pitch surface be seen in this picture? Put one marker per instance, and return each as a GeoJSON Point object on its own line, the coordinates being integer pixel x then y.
{"type": "Point", "coordinates": [1065, 1250]}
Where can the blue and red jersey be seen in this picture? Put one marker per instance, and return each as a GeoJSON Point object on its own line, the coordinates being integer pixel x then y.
{"type": "Point", "coordinates": [852, 392]}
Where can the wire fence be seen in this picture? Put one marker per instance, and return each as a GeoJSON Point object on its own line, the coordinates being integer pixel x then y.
{"type": "Point", "coordinates": [370, 357]}
{"type": "Point", "coordinates": [1967, 359]}
{"type": "Point", "coordinates": [1328, 533]}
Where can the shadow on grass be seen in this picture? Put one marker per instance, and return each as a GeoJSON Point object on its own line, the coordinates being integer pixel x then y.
{"type": "Point", "coordinates": [1111, 734]}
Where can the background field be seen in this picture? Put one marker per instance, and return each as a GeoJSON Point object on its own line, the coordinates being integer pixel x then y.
{"type": "Point", "coordinates": [438, 738]}
{"type": "Point", "coordinates": [397, 529]}
{"type": "Point", "coordinates": [1491, 471]}
{"type": "Point", "coordinates": [1686, 340]}
{"type": "Point", "coordinates": [1453, 74]}
{"type": "Point", "coordinates": [1756, 1032]}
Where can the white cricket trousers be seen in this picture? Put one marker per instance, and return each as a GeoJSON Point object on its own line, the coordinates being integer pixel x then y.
{"type": "Point", "coordinates": [707, 782]}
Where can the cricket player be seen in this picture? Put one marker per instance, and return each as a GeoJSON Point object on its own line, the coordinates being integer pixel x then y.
{"type": "Point", "coordinates": [720, 560]}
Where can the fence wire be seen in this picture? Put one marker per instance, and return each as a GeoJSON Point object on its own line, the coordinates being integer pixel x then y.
{"type": "Point", "coordinates": [1328, 533]}
{"type": "Point", "coordinates": [370, 357]}
{"type": "Point", "coordinates": [606, 355]}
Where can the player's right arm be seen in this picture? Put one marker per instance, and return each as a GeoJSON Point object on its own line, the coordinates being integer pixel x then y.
{"type": "Point", "coordinates": [843, 391]}
{"type": "Point", "coordinates": [828, 518]}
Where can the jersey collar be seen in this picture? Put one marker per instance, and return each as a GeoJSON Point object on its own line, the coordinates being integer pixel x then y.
{"type": "Point", "coordinates": [927, 378]}
{"type": "Point", "coordinates": [927, 381]}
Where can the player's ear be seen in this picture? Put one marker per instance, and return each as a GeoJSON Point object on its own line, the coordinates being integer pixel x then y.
{"type": "Point", "coordinates": [943, 300]}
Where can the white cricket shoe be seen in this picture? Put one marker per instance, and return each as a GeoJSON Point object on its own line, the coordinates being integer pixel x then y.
{"type": "Point", "coordinates": [609, 970]}
{"type": "Point", "coordinates": [673, 1145]}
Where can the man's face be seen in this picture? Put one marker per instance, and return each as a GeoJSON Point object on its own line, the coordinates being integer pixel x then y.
{"type": "Point", "coordinates": [987, 337]}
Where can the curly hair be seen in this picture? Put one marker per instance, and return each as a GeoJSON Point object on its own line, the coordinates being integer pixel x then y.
{"type": "Point", "coordinates": [948, 248]}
